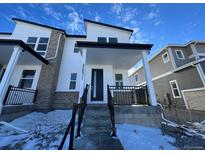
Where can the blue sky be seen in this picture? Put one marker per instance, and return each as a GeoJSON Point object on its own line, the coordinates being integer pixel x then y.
{"type": "Point", "coordinates": [159, 24]}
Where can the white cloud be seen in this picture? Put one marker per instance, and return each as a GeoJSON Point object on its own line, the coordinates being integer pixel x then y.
{"type": "Point", "coordinates": [20, 10]}
{"type": "Point", "coordinates": [75, 22]}
{"type": "Point", "coordinates": [152, 15]}
{"type": "Point", "coordinates": [49, 10]}
{"type": "Point", "coordinates": [97, 18]}
{"type": "Point", "coordinates": [138, 36]}
{"type": "Point", "coordinates": [69, 8]}
{"type": "Point", "coordinates": [117, 8]}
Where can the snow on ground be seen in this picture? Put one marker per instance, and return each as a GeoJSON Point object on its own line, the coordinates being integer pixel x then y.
{"type": "Point", "coordinates": [136, 137]}
{"type": "Point", "coordinates": [45, 131]}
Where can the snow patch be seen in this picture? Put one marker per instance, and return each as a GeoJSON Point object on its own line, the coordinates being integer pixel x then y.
{"type": "Point", "coordinates": [136, 137]}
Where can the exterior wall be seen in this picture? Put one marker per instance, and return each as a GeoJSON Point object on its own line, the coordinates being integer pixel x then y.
{"type": "Point", "coordinates": [186, 79]}
{"type": "Point", "coordinates": [3, 36]}
{"type": "Point", "coordinates": [200, 47]}
{"type": "Point", "coordinates": [95, 30]}
{"type": "Point", "coordinates": [49, 75]}
{"type": "Point", "coordinates": [16, 76]}
{"type": "Point", "coordinates": [195, 99]}
{"type": "Point", "coordinates": [71, 63]}
{"type": "Point", "coordinates": [107, 79]}
{"type": "Point", "coordinates": [186, 51]}
{"type": "Point", "coordinates": [203, 66]}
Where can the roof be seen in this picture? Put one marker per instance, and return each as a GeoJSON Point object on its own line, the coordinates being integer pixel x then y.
{"type": "Point", "coordinates": [108, 25]}
{"type": "Point", "coordinates": [5, 33]}
{"type": "Point", "coordinates": [25, 48]}
{"type": "Point", "coordinates": [77, 36]}
{"type": "Point", "coordinates": [114, 45]}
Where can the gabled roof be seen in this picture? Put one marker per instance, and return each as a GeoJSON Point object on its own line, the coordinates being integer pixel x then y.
{"type": "Point", "coordinates": [24, 46]}
{"type": "Point", "coordinates": [108, 25]}
{"type": "Point", "coordinates": [136, 46]}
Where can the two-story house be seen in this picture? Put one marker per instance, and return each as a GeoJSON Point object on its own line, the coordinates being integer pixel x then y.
{"type": "Point", "coordinates": [178, 74]}
{"type": "Point", "coordinates": [46, 66]}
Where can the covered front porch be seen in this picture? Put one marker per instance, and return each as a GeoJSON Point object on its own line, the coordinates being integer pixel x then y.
{"type": "Point", "coordinates": [106, 68]}
{"type": "Point", "coordinates": [20, 67]}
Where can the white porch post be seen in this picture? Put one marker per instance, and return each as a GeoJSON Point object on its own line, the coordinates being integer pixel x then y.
{"type": "Point", "coordinates": [8, 73]}
{"type": "Point", "coordinates": [150, 86]}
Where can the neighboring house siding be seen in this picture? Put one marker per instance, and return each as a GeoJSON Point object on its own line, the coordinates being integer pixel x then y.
{"type": "Point", "coordinates": [203, 66]}
{"type": "Point", "coordinates": [49, 74]}
{"type": "Point", "coordinates": [186, 79]}
{"type": "Point", "coordinates": [186, 51]}
{"type": "Point", "coordinates": [200, 48]}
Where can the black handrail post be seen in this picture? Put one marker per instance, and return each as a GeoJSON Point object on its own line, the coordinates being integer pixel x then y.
{"type": "Point", "coordinates": [75, 108]}
{"type": "Point", "coordinates": [7, 94]}
{"type": "Point", "coordinates": [112, 112]}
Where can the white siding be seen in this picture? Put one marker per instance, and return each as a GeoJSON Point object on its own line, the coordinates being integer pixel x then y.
{"type": "Point", "coordinates": [94, 31]}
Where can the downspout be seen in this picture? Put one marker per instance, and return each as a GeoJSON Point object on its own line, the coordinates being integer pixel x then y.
{"type": "Point", "coordinates": [50, 58]}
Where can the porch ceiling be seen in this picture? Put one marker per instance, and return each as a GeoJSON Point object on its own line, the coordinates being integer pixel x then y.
{"type": "Point", "coordinates": [28, 56]}
{"type": "Point", "coordinates": [119, 58]}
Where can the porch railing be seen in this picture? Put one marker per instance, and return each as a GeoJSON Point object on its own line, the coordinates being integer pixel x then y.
{"type": "Point", "coordinates": [20, 96]}
{"type": "Point", "coordinates": [129, 95]}
{"type": "Point", "coordinates": [71, 124]}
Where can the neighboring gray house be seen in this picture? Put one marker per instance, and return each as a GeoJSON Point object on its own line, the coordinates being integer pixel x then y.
{"type": "Point", "coordinates": [178, 74]}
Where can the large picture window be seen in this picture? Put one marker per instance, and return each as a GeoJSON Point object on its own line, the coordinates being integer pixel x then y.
{"type": "Point", "coordinates": [27, 78]}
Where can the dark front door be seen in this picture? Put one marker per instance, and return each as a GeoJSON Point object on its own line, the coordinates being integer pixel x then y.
{"type": "Point", "coordinates": [97, 85]}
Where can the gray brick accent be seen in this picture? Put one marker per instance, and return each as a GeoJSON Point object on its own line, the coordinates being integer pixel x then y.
{"type": "Point", "coordinates": [65, 100]}
{"type": "Point", "coordinates": [49, 73]}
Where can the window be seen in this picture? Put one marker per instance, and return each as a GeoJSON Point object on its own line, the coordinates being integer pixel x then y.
{"type": "Point", "coordinates": [42, 45]}
{"type": "Point", "coordinates": [179, 54]}
{"type": "Point", "coordinates": [77, 50]}
{"type": "Point", "coordinates": [175, 89]}
{"type": "Point", "coordinates": [73, 79]}
{"type": "Point", "coordinates": [165, 57]}
{"type": "Point", "coordinates": [2, 74]}
{"type": "Point", "coordinates": [102, 39]}
{"type": "Point", "coordinates": [118, 80]}
{"type": "Point", "coordinates": [136, 77]}
{"type": "Point", "coordinates": [26, 80]}
{"type": "Point", "coordinates": [112, 40]}
{"type": "Point", "coordinates": [31, 41]}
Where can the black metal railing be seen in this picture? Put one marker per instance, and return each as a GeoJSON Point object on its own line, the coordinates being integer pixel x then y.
{"type": "Point", "coordinates": [82, 105]}
{"type": "Point", "coordinates": [129, 95]}
{"type": "Point", "coordinates": [71, 124]}
{"type": "Point", "coordinates": [20, 96]}
{"type": "Point", "coordinates": [112, 111]}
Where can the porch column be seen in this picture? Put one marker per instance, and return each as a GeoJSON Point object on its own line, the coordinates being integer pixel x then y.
{"type": "Point", "coordinates": [150, 86]}
{"type": "Point", "coordinates": [8, 73]}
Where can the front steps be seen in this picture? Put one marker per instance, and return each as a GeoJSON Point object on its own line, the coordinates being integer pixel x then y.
{"type": "Point", "coordinates": [96, 129]}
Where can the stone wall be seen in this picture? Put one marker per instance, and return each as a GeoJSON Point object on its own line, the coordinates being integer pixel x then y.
{"type": "Point", "coordinates": [49, 73]}
{"type": "Point", "coordinates": [65, 100]}
{"type": "Point", "coordinates": [149, 116]}
{"type": "Point", "coordinates": [195, 99]}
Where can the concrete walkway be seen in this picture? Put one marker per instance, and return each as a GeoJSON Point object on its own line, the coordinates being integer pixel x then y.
{"type": "Point", "coordinates": [96, 129]}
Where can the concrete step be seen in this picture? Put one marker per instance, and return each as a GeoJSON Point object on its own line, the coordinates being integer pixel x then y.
{"type": "Point", "coordinates": [97, 142]}
{"type": "Point", "coordinates": [10, 117]}
{"type": "Point", "coordinates": [91, 130]}
{"type": "Point", "coordinates": [89, 121]}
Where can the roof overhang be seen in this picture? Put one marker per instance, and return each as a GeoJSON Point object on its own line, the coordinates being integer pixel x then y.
{"type": "Point", "coordinates": [88, 44]}
{"type": "Point", "coordinates": [8, 43]}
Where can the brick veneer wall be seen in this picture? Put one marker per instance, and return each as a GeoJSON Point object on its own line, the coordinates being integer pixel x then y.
{"type": "Point", "coordinates": [49, 73]}
{"type": "Point", "coordinates": [195, 99]}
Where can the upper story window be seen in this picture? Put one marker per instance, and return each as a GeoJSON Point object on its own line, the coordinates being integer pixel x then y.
{"type": "Point", "coordinates": [38, 44]}
{"type": "Point", "coordinates": [27, 78]}
{"type": "Point", "coordinates": [112, 40]}
{"type": "Point", "coordinates": [165, 57]}
{"type": "Point", "coordinates": [175, 89]}
{"type": "Point", "coordinates": [180, 54]}
{"type": "Point", "coordinates": [31, 41]}
{"type": "Point", "coordinates": [102, 39]}
{"type": "Point", "coordinates": [73, 78]}
{"type": "Point", "coordinates": [118, 80]}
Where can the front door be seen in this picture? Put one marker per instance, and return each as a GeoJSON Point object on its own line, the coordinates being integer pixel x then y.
{"type": "Point", "coordinates": [97, 85]}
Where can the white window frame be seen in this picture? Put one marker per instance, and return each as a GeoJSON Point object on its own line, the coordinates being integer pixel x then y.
{"type": "Point", "coordinates": [175, 81]}
{"type": "Point", "coordinates": [181, 53]}
{"type": "Point", "coordinates": [165, 60]}
{"type": "Point", "coordinates": [119, 81]}
{"type": "Point", "coordinates": [37, 43]}
{"type": "Point", "coordinates": [26, 78]}
{"type": "Point", "coordinates": [73, 81]}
